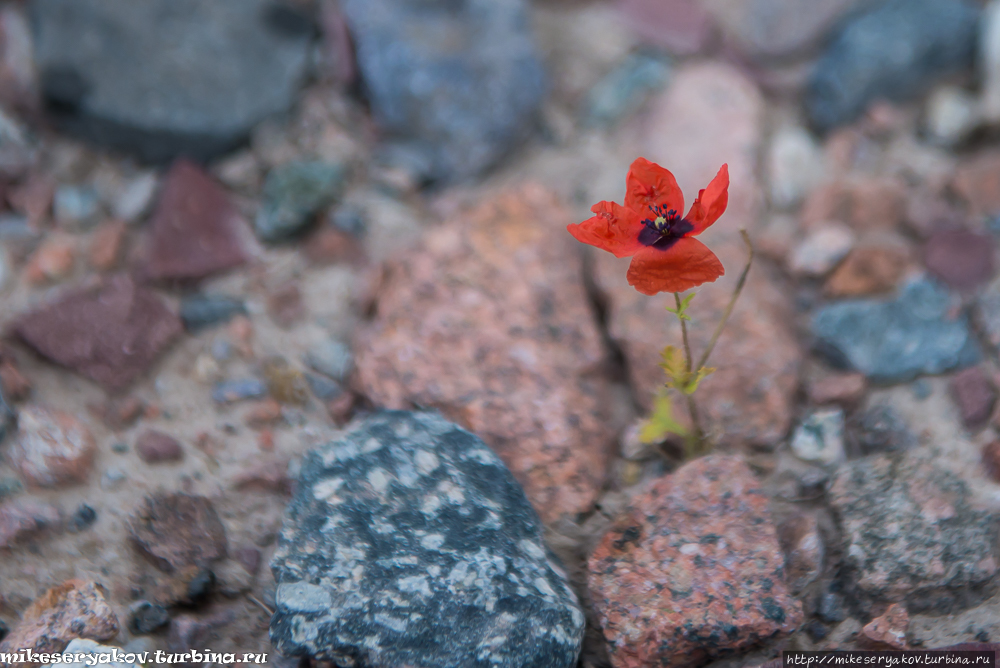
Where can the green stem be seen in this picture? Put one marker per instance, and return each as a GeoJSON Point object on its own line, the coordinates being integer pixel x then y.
{"type": "Point", "coordinates": [729, 308]}
{"type": "Point", "coordinates": [697, 435]}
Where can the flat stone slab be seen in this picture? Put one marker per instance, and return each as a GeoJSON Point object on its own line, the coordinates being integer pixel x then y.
{"type": "Point", "coordinates": [409, 543]}
{"type": "Point", "coordinates": [163, 78]}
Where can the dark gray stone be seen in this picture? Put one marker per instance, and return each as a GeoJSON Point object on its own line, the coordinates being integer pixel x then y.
{"type": "Point", "coordinates": [331, 357]}
{"type": "Point", "coordinates": [146, 617]}
{"type": "Point", "coordinates": [199, 312]}
{"type": "Point", "coordinates": [163, 78]}
{"type": "Point", "coordinates": [896, 51]}
{"type": "Point", "coordinates": [293, 193]}
{"type": "Point", "coordinates": [920, 331]}
{"type": "Point", "coordinates": [83, 518]}
{"type": "Point", "coordinates": [879, 429]}
{"type": "Point", "coordinates": [911, 533]}
{"type": "Point", "coordinates": [458, 78]}
{"type": "Point", "coordinates": [409, 543]}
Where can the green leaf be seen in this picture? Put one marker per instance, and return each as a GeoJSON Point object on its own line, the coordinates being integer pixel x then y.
{"type": "Point", "coordinates": [661, 422]}
{"type": "Point", "coordinates": [682, 311]}
{"type": "Point", "coordinates": [675, 366]}
{"type": "Point", "coordinates": [692, 384]}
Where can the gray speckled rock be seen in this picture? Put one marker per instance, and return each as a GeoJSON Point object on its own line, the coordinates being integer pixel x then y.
{"type": "Point", "coordinates": [911, 532]}
{"type": "Point", "coordinates": [898, 50]}
{"type": "Point", "coordinates": [459, 79]}
{"type": "Point", "coordinates": [163, 78]}
{"type": "Point", "coordinates": [409, 543]}
{"type": "Point", "coordinates": [920, 331]}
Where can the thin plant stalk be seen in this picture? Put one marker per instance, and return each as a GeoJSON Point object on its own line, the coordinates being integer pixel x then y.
{"type": "Point", "coordinates": [697, 434]}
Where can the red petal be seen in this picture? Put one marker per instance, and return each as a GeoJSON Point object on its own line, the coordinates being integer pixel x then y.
{"type": "Point", "coordinates": [711, 202]}
{"type": "Point", "coordinates": [648, 184]}
{"type": "Point", "coordinates": [614, 229]}
{"type": "Point", "coordinates": [686, 264]}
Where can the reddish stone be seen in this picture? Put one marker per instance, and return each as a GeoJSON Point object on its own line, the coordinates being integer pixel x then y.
{"type": "Point", "coordinates": [888, 631]}
{"type": "Point", "coordinates": [750, 398]}
{"type": "Point", "coordinates": [262, 413]}
{"type": "Point", "coordinates": [682, 27]}
{"type": "Point", "coordinates": [73, 609]}
{"type": "Point", "coordinates": [241, 329]}
{"type": "Point", "coordinates": [285, 305]}
{"type": "Point", "coordinates": [110, 333]}
{"type": "Point", "coordinates": [991, 460]}
{"type": "Point", "coordinates": [21, 521]}
{"type": "Point", "coordinates": [265, 440]}
{"type": "Point", "coordinates": [107, 244]}
{"type": "Point", "coordinates": [249, 558]}
{"type": "Point", "coordinates": [489, 321]}
{"type": "Point", "coordinates": [176, 531]}
{"type": "Point", "coordinates": [974, 395]}
{"type": "Point", "coordinates": [962, 259]}
{"type": "Point", "coordinates": [694, 557]}
{"type": "Point", "coordinates": [266, 476]}
{"type": "Point", "coordinates": [14, 384]}
{"type": "Point", "coordinates": [977, 181]}
{"type": "Point", "coordinates": [119, 413]}
{"type": "Point", "coordinates": [52, 261]}
{"type": "Point", "coordinates": [196, 230]}
{"type": "Point", "coordinates": [154, 447]}
{"type": "Point", "coordinates": [844, 389]}
{"type": "Point", "coordinates": [868, 270]}
{"type": "Point", "coordinates": [52, 448]}
{"type": "Point", "coordinates": [865, 204]}
{"type": "Point", "coordinates": [329, 245]}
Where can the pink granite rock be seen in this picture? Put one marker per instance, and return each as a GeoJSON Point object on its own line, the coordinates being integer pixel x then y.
{"type": "Point", "coordinates": [489, 322]}
{"type": "Point", "coordinates": [73, 609]}
{"type": "Point", "coordinates": [682, 27]}
{"type": "Point", "coordinates": [154, 447]}
{"type": "Point", "coordinates": [962, 259]}
{"type": "Point", "coordinates": [974, 395]}
{"type": "Point", "coordinates": [52, 448]}
{"type": "Point", "coordinates": [888, 631]}
{"type": "Point", "coordinates": [111, 332]}
{"type": "Point", "coordinates": [692, 570]}
{"type": "Point", "coordinates": [196, 230]}
{"type": "Point", "coordinates": [751, 396]}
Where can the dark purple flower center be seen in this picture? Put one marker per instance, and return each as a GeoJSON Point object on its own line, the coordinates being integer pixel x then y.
{"type": "Point", "coordinates": [664, 229]}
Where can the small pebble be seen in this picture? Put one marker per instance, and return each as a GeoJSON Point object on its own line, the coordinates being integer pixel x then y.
{"type": "Point", "coordinates": [135, 198]}
{"type": "Point", "coordinates": [230, 391]}
{"type": "Point", "coordinates": [200, 312]}
{"type": "Point", "coordinates": [10, 487]}
{"type": "Point", "coordinates": [112, 478]}
{"type": "Point", "coordinates": [221, 350]}
{"type": "Point", "coordinates": [324, 388]}
{"type": "Point", "coordinates": [285, 383]}
{"type": "Point", "coordinates": [83, 518]}
{"type": "Point", "coordinates": [119, 447]}
{"type": "Point", "coordinates": [831, 608]}
{"type": "Point", "coordinates": [331, 357]}
{"type": "Point", "coordinates": [146, 617]}
{"type": "Point", "coordinates": [75, 204]}
{"type": "Point", "coordinates": [154, 447]}
{"type": "Point", "coordinates": [921, 388]}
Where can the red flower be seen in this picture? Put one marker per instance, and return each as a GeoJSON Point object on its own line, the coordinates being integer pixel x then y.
{"type": "Point", "coordinates": [665, 255]}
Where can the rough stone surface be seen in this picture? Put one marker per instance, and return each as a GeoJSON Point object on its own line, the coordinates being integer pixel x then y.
{"type": "Point", "coordinates": [409, 543]}
{"type": "Point", "coordinates": [896, 51]}
{"type": "Point", "coordinates": [52, 448]}
{"type": "Point", "coordinates": [794, 165]}
{"type": "Point", "coordinates": [166, 78]}
{"type": "Point", "coordinates": [20, 521]}
{"type": "Point", "coordinates": [932, 545]}
{"type": "Point", "coordinates": [110, 333]}
{"type": "Point", "coordinates": [293, 193]}
{"type": "Point", "coordinates": [963, 260]}
{"type": "Point", "coordinates": [879, 429]}
{"type": "Point", "coordinates": [898, 339]}
{"type": "Point", "coordinates": [820, 438]}
{"type": "Point", "coordinates": [750, 397]}
{"type": "Point", "coordinates": [73, 609]}
{"type": "Point", "coordinates": [155, 447]}
{"type": "Point", "coordinates": [777, 28]}
{"type": "Point", "coordinates": [821, 250]}
{"type": "Point", "coordinates": [846, 389]}
{"type": "Point", "coordinates": [805, 550]}
{"type": "Point", "coordinates": [692, 570]}
{"type": "Point", "coordinates": [463, 82]}
{"type": "Point", "coordinates": [177, 531]}
{"type": "Point", "coordinates": [196, 230]}
{"type": "Point", "coordinates": [974, 395]}
{"type": "Point", "coordinates": [489, 322]}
